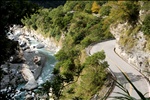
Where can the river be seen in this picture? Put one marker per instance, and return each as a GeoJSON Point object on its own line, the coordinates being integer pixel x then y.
{"type": "Point", "coordinates": [46, 73]}
{"type": "Point", "coordinates": [48, 67]}
{"type": "Point", "coordinates": [49, 64]}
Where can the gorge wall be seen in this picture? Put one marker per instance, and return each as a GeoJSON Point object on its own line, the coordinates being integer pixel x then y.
{"type": "Point", "coordinates": [132, 45]}
{"type": "Point", "coordinates": [50, 42]}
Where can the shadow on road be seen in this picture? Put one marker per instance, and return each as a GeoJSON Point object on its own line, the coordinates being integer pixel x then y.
{"type": "Point", "coordinates": [131, 76]}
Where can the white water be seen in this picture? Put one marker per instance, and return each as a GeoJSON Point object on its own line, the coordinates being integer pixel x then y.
{"type": "Point", "coordinates": [48, 67]}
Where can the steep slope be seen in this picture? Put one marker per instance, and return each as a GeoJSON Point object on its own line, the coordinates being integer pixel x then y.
{"type": "Point", "coordinates": [133, 41]}
{"type": "Point", "coordinates": [77, 76]}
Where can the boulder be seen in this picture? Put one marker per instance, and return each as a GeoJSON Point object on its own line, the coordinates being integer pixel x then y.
{"type": "Point", "coordinates": [37, 60]}
{"type": "Point", "coordinates": [17, 59]}
{"type": "Point", "coordinates": [15, 38]}
{"type": "Point", "coordinates": [39, 46]}
{"type": "Point", "coordinates": [25, 48]}
{"type": "Point", "coordinates": [26, 72]}
{"type": "Point", "coordinates": [28, 76]}
{"type": "Point", "coordinates": [23, 44]}
{"type": "Point", "coordinates": [29, 97]}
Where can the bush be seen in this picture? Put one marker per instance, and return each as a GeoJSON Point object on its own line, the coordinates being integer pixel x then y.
{"type": "Point", "coordinates": [80, 6]}
{"type": "Point", "coordinates": [95, 58]}
{"type": "Point", "coordinates": [34, 26]}
{"type": "Point", "coordinates": [124, 11]}
{"type": "Point", "coordinates": [61, 55]}
{"type": "Point", "coordinates": [86, 41]}
{"type": "Point", "coordinates": [146, 25]}
{"type": "Point", "coordinates": [87, 8]}
{"type": "Point", "coordinates": [92, 76]}
{"type": "Point", "coordinates": [69, 5]}
{"type": "Point", "coordinates": [105, 10]}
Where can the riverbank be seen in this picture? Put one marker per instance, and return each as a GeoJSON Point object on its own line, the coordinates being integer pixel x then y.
{"type": "Point", "coordinates": [13, 70]}
{"type": "Point", "coordinates": [48, 42]}
{"type": "Point", "coordinates": [24, 55]}
{"type": "Point", "coordinates": [26, 62]}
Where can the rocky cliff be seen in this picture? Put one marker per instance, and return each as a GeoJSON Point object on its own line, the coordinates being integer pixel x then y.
{"type": "Point", "coordinates": [49, 42]}
{"type": "Point", "coordinates": [132, 44]}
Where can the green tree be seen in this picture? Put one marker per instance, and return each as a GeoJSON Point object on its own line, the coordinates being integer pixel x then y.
{"type": "Point", "coordinates": [88, 7]}
{"type": "Point", "coordinates": [95, 58]}
{"type": "Point", "coordinates": [70, 5]}
{"type": "Point", "coordinates": [80, 6]}
{"type": "Point", "coordinates": [105, 10]}
{"type": "Point", "coordinates": [92, 76]}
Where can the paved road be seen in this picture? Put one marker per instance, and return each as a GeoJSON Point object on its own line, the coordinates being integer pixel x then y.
{"type": "Point", "coordinates": [115, 61]}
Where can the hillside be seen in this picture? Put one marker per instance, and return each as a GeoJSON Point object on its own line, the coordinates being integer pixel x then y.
{"type": "Point", "coordinates": [76, 25]}
{"type": "Point", "coordinates": [133, 37]}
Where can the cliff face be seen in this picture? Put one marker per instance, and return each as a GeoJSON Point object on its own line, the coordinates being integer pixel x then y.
{"type": "Point", "coordinates": [132, 44]}
{"type": "Point", "coordinates": [50, 42]}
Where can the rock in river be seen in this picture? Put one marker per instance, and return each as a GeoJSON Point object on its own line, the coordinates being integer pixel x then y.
{"type": "Point", "coordinates": [28, 76]}
{"type": "Point", "coordinates": [37, 60]}
{"type": "Point", "coordinates": [39, 46]}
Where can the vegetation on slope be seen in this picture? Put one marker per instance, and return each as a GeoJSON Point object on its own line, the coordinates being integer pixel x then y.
{"type": "Point", "coordinates": [81, 28]}
{"type": "Point", "coordinates": [128, 11]}
{"type": "Point", "coordinates": [82, 23]}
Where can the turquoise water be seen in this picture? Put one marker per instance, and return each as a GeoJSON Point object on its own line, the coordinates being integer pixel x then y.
{"type": "Point", "coordinates": [48, 67]}
{"type": "Point", "coordinates": [20, 95]}
{"type": "Point", "coordinates": [49, 64]}
{"type": "Point", "coordinates": [46, 73]}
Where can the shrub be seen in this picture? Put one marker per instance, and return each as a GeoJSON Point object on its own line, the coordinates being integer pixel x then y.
{"type": "Point", "coordinates": [86, 41]}
{"type": "Point", "coordinates": [105, 10]}
{"type": "Point", "coordinates": [34, 26]}
{"type": "Point", "coordinates": [87, 8]}
{"type": "Point", "coordinates": [146, 25]}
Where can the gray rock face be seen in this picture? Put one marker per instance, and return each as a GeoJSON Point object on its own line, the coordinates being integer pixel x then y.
{"type": "Point", "coordinates": [28, 76]}
{"type": "Point", "coordinates": [18, 57]}
{"type": "Point", "coordinates": [138, 55]}
{"type": "Point", "coordinates": [49, 43]}
{"type": "Point", "coordinates": [12, 77]}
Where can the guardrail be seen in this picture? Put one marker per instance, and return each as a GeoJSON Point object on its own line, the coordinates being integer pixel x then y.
{"type": "Point", "coordinates": [134, 66]}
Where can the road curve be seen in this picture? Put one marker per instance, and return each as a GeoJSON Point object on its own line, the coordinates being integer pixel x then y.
{"type": "Point", "coordinates": [115, 61]}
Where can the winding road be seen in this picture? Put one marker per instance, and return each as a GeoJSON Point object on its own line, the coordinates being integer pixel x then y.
{"type": "Point", "coordinates": [114, 62]}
